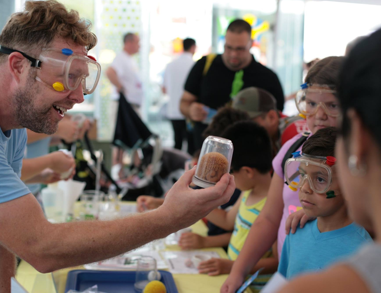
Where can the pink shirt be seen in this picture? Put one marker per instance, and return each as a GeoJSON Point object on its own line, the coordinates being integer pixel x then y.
{"type": "Point", "coordinates": [290, 198]}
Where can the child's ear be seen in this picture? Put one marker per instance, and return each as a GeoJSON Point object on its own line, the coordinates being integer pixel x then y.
{"type": "Point", "coordinates": [249, 172]}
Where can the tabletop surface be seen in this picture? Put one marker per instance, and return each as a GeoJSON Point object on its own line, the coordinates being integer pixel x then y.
{"type": "Point", "coordinates": [35, 282]}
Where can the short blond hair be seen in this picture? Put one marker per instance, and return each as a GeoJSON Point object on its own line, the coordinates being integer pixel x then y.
{"type": "Point", "coordinates": [42, 21]}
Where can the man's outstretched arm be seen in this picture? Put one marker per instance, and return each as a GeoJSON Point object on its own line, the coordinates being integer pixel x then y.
{"type": "Point", "coordinates": [48, 247]}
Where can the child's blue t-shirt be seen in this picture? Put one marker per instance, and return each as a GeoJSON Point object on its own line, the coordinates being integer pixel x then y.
{"type": "Point", "coordinates": [12, 147]}
{"type": "Point", "coordinates": [309, 250]}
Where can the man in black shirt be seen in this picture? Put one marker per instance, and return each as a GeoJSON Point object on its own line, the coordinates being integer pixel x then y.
{"type": "Point", "coordinates": [215, 80]}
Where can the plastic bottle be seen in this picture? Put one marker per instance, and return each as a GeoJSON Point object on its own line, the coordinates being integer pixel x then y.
{"type": "Point", "coordinates": [52, 199]}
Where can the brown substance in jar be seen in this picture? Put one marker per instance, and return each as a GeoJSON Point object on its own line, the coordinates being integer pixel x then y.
{"type": "Point", "coordinates": [212, 166]}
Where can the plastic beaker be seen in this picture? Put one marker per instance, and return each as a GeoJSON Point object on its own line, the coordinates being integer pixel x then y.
{"type": "Point", "coordinates": [146, 271]}
{"type": "Point", "coordinates": [90, 201]}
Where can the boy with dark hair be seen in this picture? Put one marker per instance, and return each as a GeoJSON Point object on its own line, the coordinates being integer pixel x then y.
{"type": "Point", "coordinates": [251, 167]}
{"type": "Point", "coordinates": [225, 117]}
{"type": "Point", "coordinates": [332, 235]}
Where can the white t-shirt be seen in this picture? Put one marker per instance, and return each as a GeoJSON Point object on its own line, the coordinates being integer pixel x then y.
{"type": "Point", "coordinates": [175, 76]}
{"type": "Point", "coordinates": [128, 74]}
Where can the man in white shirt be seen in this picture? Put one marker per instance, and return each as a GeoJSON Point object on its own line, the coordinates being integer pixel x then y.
{"type": "Point", "coordinates": [174, 80]}
{"type": "Point", "coordinates": [124, 72]}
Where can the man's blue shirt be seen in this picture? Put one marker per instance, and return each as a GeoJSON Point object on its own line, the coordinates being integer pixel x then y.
{"type": "Point", "coordinates": [12, 147]}
{"type": "Point", "coordinates": [37, 149]}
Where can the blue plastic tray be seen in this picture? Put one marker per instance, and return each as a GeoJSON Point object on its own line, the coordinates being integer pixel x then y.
{"type": "Point", "coordinates": [111, 281]}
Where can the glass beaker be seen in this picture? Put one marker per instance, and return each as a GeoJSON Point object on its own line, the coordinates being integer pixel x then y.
{"type": "Point", "coordinates": [90, 202]}
{"type": "Point", "coordinates": [215, 158]}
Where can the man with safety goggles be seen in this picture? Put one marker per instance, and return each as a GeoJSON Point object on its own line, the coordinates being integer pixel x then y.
{"type": "Point", "coordinates": [63, 70]}
{"type": "Point", "coordinates": [35, 93]}
{"type": "Point", "coordinates": [312, 97]}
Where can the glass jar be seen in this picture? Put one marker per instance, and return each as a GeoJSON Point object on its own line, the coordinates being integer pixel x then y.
{"type": "Point", "coordinates": [214, 161]}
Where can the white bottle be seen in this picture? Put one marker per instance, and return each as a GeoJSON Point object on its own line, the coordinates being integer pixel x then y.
{"type": "Point", "coordinates": [52, 199]}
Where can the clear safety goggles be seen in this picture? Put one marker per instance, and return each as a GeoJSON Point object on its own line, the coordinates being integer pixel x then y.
{"type": "Point", "coordinates": [308, 100]}
{"type": "Point", "coordinates": [316, 170]}
{"type": "Point", "coordinates": [64, 70]}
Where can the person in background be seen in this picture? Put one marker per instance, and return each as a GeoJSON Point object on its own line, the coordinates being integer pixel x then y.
{"type": "Point", "coordinates": [124, 74]}
{"type": "Point", "coordinates": [36, 95]}
{"type": "Point", "coordinates": [358, 153]}
{"type": "Point", "coordinates": [332, 235]}
{"type": "Point", "coordinates": [175, 75]}
{"type": "Point", "coordinates": [216, 79]}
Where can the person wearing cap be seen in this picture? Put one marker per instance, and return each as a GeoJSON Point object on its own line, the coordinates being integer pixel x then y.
{"type": "Point", "coordinates": [45, 70]}
{"type": "Point", "coordinates": [260, 105]}
{"type": "Point", "coordinates": [215, 79]}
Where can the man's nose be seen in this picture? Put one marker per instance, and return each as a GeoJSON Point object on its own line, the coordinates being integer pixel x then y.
{"type": "Point", "coordinates": [77, 95]}
{"type": "Point", "coordinates": [233, 53]}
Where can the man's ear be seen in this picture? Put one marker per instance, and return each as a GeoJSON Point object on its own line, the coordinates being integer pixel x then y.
{"type": "Point", "coordinates": [17, 65]}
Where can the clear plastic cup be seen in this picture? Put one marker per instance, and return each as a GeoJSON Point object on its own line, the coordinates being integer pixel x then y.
{"type": "Point", "coordinates": [146, 271]}
{"type": "Point", "coordinates": [90, 204]}
{"type": "Point", "coordinates": [215, 158]}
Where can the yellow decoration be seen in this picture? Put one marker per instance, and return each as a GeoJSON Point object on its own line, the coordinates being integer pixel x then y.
{"type": "Point", "coordinates": [250, 18]}
{"type": "Point", "coordinates": [58, 86]}
{"type": "Point", "coordinates": [257, 30]}
{"type": "Point", "coordinates": [177, 45]}
{"type": "Point", "coordinates": [302, 115]}
{"type": "Point", "coordinates": [292, 187]}
{"type": "Point", "coordinates": [155, 287]}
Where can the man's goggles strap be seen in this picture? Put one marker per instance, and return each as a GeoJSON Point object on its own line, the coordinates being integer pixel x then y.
{"type": "Point", "coordinates": [35, 62]}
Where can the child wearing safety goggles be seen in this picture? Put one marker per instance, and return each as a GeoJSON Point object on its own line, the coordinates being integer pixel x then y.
{"type": "Point", "coordinates": [332, 235]}
{"type": "Point", "coordinates": [318, 103]}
